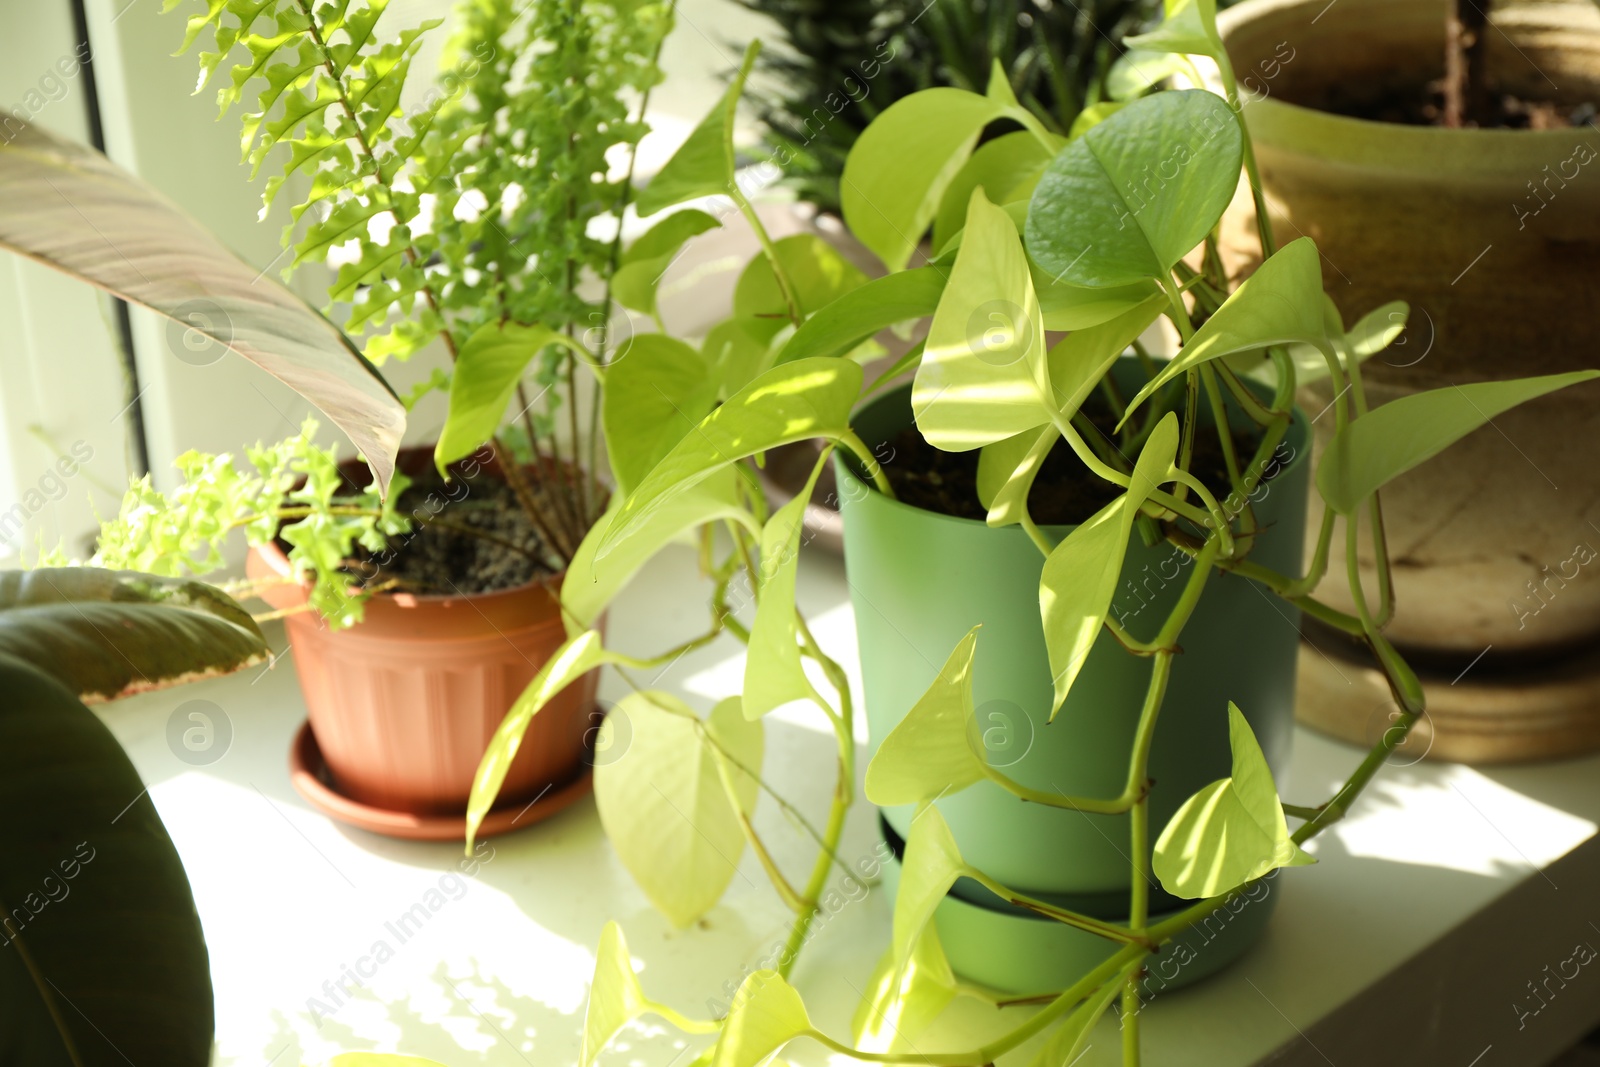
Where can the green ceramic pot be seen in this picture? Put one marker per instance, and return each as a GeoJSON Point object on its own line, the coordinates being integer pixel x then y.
{"type": "Point", "coordinates": [1014, 951]}
{"type": "Point", "coordinates": [920, 580]}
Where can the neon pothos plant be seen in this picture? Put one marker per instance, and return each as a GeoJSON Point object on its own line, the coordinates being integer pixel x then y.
{"type": "Point", "coordinates": [1099, 233]}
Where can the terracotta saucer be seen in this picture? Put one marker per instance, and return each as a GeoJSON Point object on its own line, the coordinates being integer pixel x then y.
{"type": "Point", "coordinates": [311, 780]}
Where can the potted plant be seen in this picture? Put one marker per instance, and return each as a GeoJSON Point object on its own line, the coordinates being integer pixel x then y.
{"type": "Point", "coordinates": [1088, 235]}
{"type": "Point", "coordinates": [469, 221]}
{"type": "Point", "coordinates": [1427, 149]}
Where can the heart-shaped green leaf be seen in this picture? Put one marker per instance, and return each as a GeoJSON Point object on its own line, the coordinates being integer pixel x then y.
{"type": "Point", "coordinates": [982, 377]}
{"type": "Point", "coordinates": [773, 675]}
{"type": "Point", "coordinates": [1232, 831]}
{"type": "Point", "coordinates": [1080, 575]}
{"type": "Point", "coordinates": [1079, 361]}
{"type": "Point", "coordinates": [1280, 303]}
{"type": "Point", "coordinates": [1136, 72]}
{"type": "Point", "coordinates": [1006, 169]}
{"type": "Point", "coordinates": [739, 349]}
{"type": "Point", "coordinates": [1134, 194]}
{"type": "Point", "coordinates": [1190, 28]}
{"type": "Point", "coordinates": [816, 271]}
{"type": "Point", "coordinates": [704, 164]}
{"type": "Point", "coordinates": [1006, 470]}
{"type": "Point", "coordinates": [795, 402]}
{"type": "Point", "coordinates": [860, 313]}
{"type": "Point", "coordinates": [70, 208]}
{"type": "Point", "coordinates": [484, 379]}
{"type": "Point", "coordinates": [615, 999]}
{"type": "Point", "coordinates": [571, 661]}
{"type": "Point", "coordinates": [1388, 441]}
{"type": "Point", "coordinates": [107, 634]}
{"type": "Point", "coordinates": [899, 168]}
{"type": "Point", "coordinates": [662, 799]}
{"type": "Point", "coordinates": [931, 865]}
{"type": "Point", "coordinates": [590, 583]}
{"type": "Point", "coordinates": [641, 267]}
{"type": "Point", "coordinates": [928, 753]}
{"type": "Point", "coordinates": [766, 1015]}
{"type": "Point", "coordinates": [891, 1016]}
{"type": "Point", "coordinates": [657, 389]}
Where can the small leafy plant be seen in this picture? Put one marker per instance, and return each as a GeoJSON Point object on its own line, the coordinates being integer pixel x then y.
{"type": "Point", "coordinates": [1098, 233]}
{"type": "Point", "coordinates": [476, 219]}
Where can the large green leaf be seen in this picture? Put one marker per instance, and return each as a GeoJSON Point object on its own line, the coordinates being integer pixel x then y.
{"type": "Point", "coordinates": [929, 753]}
{"type": "Point", "coordinates": [1232, 831]}
{"type": "Point", "coordinates": [739, 349]}
{"type": "Point", "coordinates": [1077, 307]}
{"type": "Point", "coordinates": [983, 376]}
{"type": "Point", "coordinates": [843, 324]}
{"type": "Point", "coordinates": [1133, 195]}
{"type": "Point", "coordinates": [817, 272]}
{"type": "Point", "coordinates": [703, 165]}
{"type": "Point", "coordinates": [590, 583]}
{"type": "Point", "coordinates": [94, 893]}
{"type": "Point", "coordinates": [1388, 441]}
{"type": "Point", "coordinates": [1190, 28]}
{"type": "Point", "coordinates": [1006, 470]}
{"type": "Point", "coordinates": [773, 675]}
{"type": "Point", "coordinates": [901, 165]}
{"type": "Point", "coordinates": [106, 634]}
{"type": "Point", "coordinates": [1005, 168]}
{"type": "Point", "coordinates": [1079, 361]}
{"type": "Point", "coordinates": [1280, 303]}
{"type": "Point", "coordinates": [70, 208]}
{"type": "Point", "coordinates": [795, 402]}
{"type": "Point", "coordinates": [572, 661]}
{"type": "Point", "coordinates": [891, 1015]}
{"type": "Point", "coordinates": [657, 388]}
{"type": "Point", "coordinates": [1371, 334]}
{"type": "Point", "coordinates": [639, 271]}
{"type": "Point", "coordinates": [663, 803]}
{"type": "Point", "coordinates": [931, 865]}
{"type": "Point", "coordinates": [484, 379]}
{"type": "Point", "coordinates": [766, 1015]}
{"type": "Point", "coordinates": [1080, 576]}
{"type": "Point", "coordinates": [615, 999]}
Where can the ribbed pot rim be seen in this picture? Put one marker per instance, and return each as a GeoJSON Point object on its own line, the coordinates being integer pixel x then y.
{"type": "Point", "coordinates": [1433, 151]}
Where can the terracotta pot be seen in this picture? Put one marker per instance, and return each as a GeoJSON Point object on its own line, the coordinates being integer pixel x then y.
{"type": "Point", "coordinates": [403, 703]}
{"type": "Point", "coordinates": [1493, 236]}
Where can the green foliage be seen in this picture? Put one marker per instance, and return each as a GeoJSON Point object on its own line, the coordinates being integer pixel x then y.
{"type": "Point", "coordinates": [848, 60]}
{"type": "Point", "coordinates": [291, 490]}
{"type": "Point", "coordinates": [1080, 574]}
{"type": "Point", "coordinates": [1391, 440]}
{"type": "Point", "coordinates": [673, 802]}
{"type": "Point", "coordinates": [485, 203]}
{"type": "Point", "coordinates": [1137, 192]}
{"type": "Point", "coordinates": [122, 971]}
{"type": "Point", "coordinates": [1232, 831]}
{"type": "Point", "coordinates": [773, 673]}
{"type": "Point", "coordinates": [930, 752]}
{"type": "Point", "coordinates": [105, 634]}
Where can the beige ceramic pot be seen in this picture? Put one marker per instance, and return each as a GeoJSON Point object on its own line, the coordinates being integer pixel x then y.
{"type": "Point", "coordinates": [1493, 237]}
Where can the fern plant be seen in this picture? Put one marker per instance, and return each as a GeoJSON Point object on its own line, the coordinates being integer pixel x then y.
{"type": "Point", "coordinates": [475, 215]}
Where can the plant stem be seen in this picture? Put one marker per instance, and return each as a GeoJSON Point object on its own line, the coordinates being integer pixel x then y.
{"type": "Point", "coordinates": [869, 462]}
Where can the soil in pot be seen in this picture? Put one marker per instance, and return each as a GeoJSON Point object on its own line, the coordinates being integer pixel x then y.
{"type": "Point", "coordinates": [1065, 493]}
{"type": "Point", "coordinates": [485, 542]}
